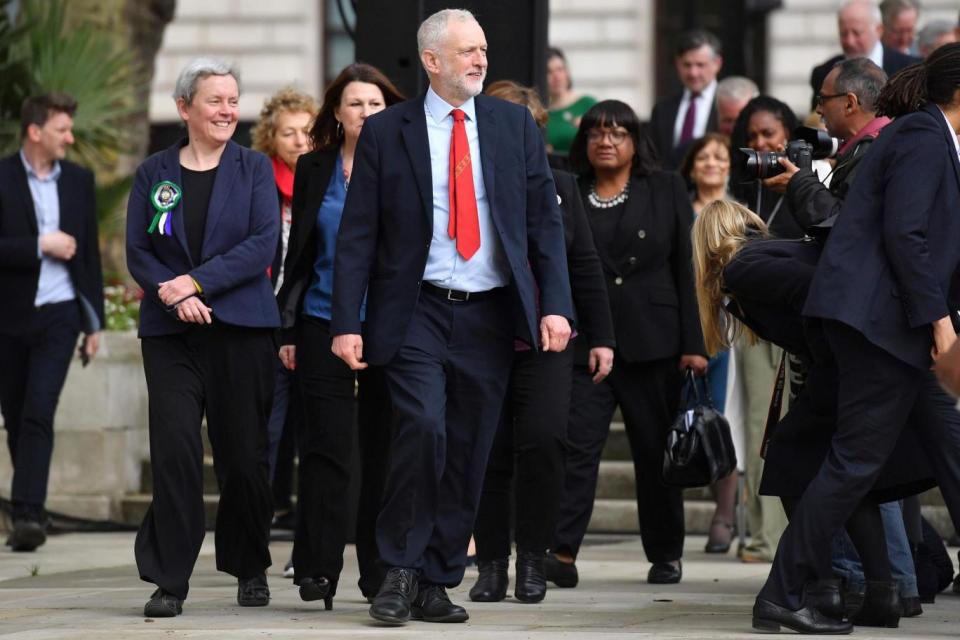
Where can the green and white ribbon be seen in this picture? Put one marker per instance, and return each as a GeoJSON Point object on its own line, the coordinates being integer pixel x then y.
{"type": "Point", "coordinates": [164, 196]}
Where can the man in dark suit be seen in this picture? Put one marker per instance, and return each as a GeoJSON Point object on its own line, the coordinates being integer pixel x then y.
{"type": "Point", "coordinates": [52, 290]}
{"type": "Point", "coordinates": [680, 119]}
{"type": "Point", "coordinates": [452, 229]}
{"type": "Point", "coordinates": [860, 26]}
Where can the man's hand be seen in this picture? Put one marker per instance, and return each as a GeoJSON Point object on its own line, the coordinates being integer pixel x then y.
{"type": "Point", "coordinates": [695, 362]}
{"type": "Point", "coordinates": [172, 291]}
{"type": "Point", "coordinates": [349, 348]}
{"type": "Point", "coordinates": [947, 368]}
{"type": "Point", "coordinates": [288, 356]}
{"type": "Point", "coordinates": [193, 310]}
{"type": "Point", "coordinates": [554, 333]}
{"type": "Point", "coordinates": [944, 337]}
{"type": "Point", "coordinates": [778, 183]}
{"type": "Point", "coordinates": [600, 363]}
{"type": "Point", "coordinates": [59, 245]}
{"type": "Point", "coordinates": [92, 344]}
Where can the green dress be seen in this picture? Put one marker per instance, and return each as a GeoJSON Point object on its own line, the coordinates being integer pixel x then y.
{"type": "Point", "coordinates": [562, 124]}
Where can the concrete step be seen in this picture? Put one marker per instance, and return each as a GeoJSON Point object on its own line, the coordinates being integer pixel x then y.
{"type": "Point", "coordinates": [620, 516]}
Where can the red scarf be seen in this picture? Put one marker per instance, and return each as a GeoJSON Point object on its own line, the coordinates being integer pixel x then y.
{"type": "Point", "coordinates": [872, 128]}
{"type": "Point", "coordinates": [283, 176]}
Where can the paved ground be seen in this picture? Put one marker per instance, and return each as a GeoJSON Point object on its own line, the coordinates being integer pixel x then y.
{"type": "Point", "coordinates": [85, 586]}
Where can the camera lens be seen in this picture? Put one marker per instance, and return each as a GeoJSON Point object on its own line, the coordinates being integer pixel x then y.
{"type": "Point", "coordinates": [757, 165]}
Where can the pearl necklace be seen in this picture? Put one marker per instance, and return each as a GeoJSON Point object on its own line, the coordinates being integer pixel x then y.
{"type": "Point", "coordinates": [606, 203]}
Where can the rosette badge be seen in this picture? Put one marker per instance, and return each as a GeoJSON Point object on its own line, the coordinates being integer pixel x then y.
{"type": "Point", "coordinates": [164, 197]}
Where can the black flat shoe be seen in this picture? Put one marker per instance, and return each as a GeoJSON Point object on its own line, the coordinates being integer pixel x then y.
{"type": "Point", "coordinates": [162, 605]}
{"type": "Point", "coordinates": [562, 574]}
{"type": "Point", "coordinates": [769, 617]}
{"type": "Point", "coordinates": [433, 605]}
{"type": "Point", "coordinates": [253, 592]}
{"type": "Point", "coordinates": [27, 535]}
{"type": "Point", "coordinates": [824, 596]}
{"type": "Point", "coordinates": [492, 582]}
{"type": "Point", "coordinates": [881, 606]}
{"type": "Point", "coordinates": [312, 589]}
{"type": "Point", "coordinates": [531, 581]}
{"type": "Point", "coordinates": [910, 607]}
{"type": "Point", "coordinates": [665, 572]}
{"type": "Point", "coordinates": [392, 603]}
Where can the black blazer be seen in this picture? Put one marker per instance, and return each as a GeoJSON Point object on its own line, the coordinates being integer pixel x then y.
{"type": "Point", "coordinates": [19, 262]}
{"type": "Point", "coordinates": [649, 272]}
{"type": "Point", "coordinates": [890, 264]}
{"type": "Point", "coordinates": [662, 121]}
{"type": "Point", "coordinates": [587, 283]}
{"type": "Point", "coordinates": [310, 183]}
{"type": "Point", "coordinates": [893, 61]}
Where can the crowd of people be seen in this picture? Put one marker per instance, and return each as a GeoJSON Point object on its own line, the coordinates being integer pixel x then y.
{"type": "Point", "coordinates": [472, 282]}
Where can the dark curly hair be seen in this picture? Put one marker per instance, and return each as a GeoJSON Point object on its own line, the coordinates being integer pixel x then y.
{"type": "Point", "coordinates": [610, 113]}
{"type": "Point", "coordinates": [932, 80]}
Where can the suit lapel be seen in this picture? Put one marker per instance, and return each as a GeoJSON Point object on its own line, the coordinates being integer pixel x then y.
{"type": "Point", "coordinates": [949, 134]}
{"type": "Point", "coordinates": [487, 132]}
{"type": "Point", "coordinates": [414, 132]}
{"type": "Point", "coordinates": [23, 189]}
{"type": "Point", "coordinates": [222, 184]}
{"type": "Point", "coordinates": [635, 222]}
{"type": "Point", "coordinates": [170, 170]}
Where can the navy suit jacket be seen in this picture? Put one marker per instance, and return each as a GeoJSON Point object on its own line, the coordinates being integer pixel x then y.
{"type": "Point", "coordinates": [239, 241]}
{"type": "Point", "coordinates": [889, 266]}
{"type": "Point", "coordinates": [19, 262]}
{"type": "Point", "coordinates": [387, 222]}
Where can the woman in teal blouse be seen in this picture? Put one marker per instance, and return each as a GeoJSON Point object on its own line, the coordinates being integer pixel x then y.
{"type": "Point", "coordinates": [566, 106]}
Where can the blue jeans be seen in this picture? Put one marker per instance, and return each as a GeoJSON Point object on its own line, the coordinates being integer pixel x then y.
{"type": "Point", "coordinates": [846, 563]}
{"type": "Point", "coordinates": [717, 379]}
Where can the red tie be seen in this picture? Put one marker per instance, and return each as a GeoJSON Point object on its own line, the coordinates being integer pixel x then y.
{"type": "Point", "coordinates": [689, 120]}
{"type": "Point", "coordinates": [464, 223]}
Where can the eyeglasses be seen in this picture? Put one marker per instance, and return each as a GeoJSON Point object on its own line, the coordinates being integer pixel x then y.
{"type": "Point", "coordinates": [823, 98]}
{"type": "Point", "coordinates": [617, 136]}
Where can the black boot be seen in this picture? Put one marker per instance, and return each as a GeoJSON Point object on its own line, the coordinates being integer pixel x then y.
{"type": "Point", "coordinates": [824, 596]}
{"type": "Point", "coordinates": [562, 574]}
{"type": "Point", "coordinates": [531, 579]}
{"type": "Point", "coordinates": [492, 583]}
{"type": "Point", "coordinates": [881, 606]}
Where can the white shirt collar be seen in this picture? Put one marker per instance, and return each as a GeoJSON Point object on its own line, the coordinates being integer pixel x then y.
{"type": "Point", "coordinates": [956, 142]}
{"type": "Point", "coordinates": [54, 170]}
{"type": "Point", "coordinates": [876, 55]}
{"type": "Point", "coordinates": [439, 109]}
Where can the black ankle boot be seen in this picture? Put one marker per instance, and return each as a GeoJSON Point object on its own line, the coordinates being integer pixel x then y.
{"type": "Point", "coordinates": [531, 579]}
{"type": "Point", "coordinates": [881, 606]}
{"type": "Point", "coordinates": [492, 583]}
{"type": "Point", "coordinates": [824, 596]}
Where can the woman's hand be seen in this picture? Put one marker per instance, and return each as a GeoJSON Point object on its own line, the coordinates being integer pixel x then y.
{"type": "Point", "coordinates": [288, 356]}
{"type": "Point", "coordinates": [600, 363]}
{"type": "Point", "coordinates": [193, 310]}
{"type": "Point", "coordinates": [172, 291]}
{"type": "Point", "coordinates": [695, 362]}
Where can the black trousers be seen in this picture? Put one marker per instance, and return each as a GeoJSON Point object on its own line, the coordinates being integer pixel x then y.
{"type": "Point", "coordinates": [33, 368]}
{"type": "Point", "coordinates": [326, 439]}
{"type": "Point", "coordinates": [531, 438]}
{"type": "Point", "coordinates": [648, 394]}
{"type": "Point", "coordinates": [876, 393]}
{"type": "Point", "coordinates": [446, 383]}
{"type": "Point", "coordinates": [228, 373]}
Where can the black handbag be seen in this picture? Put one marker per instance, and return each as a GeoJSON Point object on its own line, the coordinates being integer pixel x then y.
{"type": "Point", "coordinates": [699, 445]}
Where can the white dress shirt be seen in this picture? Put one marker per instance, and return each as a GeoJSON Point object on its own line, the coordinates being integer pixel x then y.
{"type": "Point", "coordinates": [704, 107]}
{"type": "Point", "coordinates": [876, 54]}
{"type": "Point", "coordinates": [488, 267]}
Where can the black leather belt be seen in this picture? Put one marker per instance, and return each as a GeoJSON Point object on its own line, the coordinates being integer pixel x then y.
{"type": "Point", "coordinates": [453, 295]}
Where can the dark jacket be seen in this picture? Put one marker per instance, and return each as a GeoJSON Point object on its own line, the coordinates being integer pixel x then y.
{"type": "Point", "coordinates": [310, 183]}
{"type": "Point", "coordinates": [19, 260]}
{"type": "Point", "coordinates": [662, 121]}
{"type": "Point", "coordinates": [649, 274]}
{"type": "Point", "coordinates": [893, 61]}
{"type": "Point", "coordinates": [387, 223]}
{"type": "Point", "coordinates": [239, 241]}
{"type": "Point", "coordinates": [594, 323]}
{"type": "Point", "coordinates": [890, 264]}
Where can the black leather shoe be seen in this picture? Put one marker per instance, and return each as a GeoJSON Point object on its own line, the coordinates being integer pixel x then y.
{"type": "Point", "coordinates": [881, 606]}
{"type": "Point", "coordinates": [910, 607]}
{"type": "Point", "coordinates": [665, 572]}
{"type": "Point", "coordinates": [769, 617]}
{"type": "Point", "coordinates": [318, 588]}
{"type": "Point", "coordinates": [562, 574]}
{"type": "Point", "coordinates": [253, 592]}
{"type": "Point", "coordinates": [492, 582]}
{"type": "Point", "coordinates": [433, 605]}
{"type": "Point", "coordinates": [27, 535]}
{"type": "Point", "coordinates": [531, 581]}
{"type": "Point", "coordinates": [824, 596]}
{"type": "Point", "coordinates": [162, 605]}
{"type": "Point", "coordinates": [393, 602]}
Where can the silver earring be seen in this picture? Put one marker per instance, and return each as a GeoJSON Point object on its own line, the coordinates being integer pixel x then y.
{"type": "Point", "coordinates": [339, 129]}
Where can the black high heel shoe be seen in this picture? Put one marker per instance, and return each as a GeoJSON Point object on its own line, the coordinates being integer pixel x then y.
{"type": "Point", "coordinates": [318, 588]}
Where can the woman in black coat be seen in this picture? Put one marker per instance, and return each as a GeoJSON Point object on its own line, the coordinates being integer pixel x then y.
{"type": "Point", "coordinates": [640, 219]}
{"type": "Point", "coordinates": [327, 385]}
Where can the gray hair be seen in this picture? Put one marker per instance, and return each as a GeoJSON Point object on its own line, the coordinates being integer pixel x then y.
{"type": "Point", "coordinates": [198, 69]}
{"type": "Point", "coordinates": [890, 9]}
{"type": "Point", "coordinates": [861, 77]}
{"type": "Point", "coordinates": [931, 32]}
{"type": "Point", "coordinates": [737, 89]}
{"type": "Point", "coordinates": [433, 29]}
{"type": "Point", "coordinates": [873, 7]}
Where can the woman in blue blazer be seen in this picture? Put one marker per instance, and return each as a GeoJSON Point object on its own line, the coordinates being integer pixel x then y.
{"type": "Point", "coordinates": [202, 229]}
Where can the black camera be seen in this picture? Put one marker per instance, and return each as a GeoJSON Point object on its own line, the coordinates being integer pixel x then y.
{"type": "Point", "coordinates": [808, 144]}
